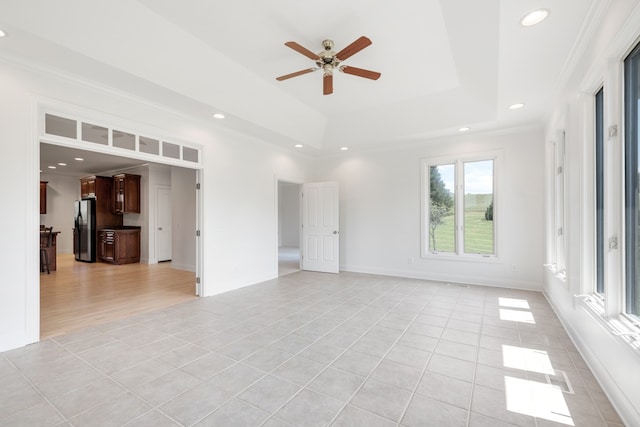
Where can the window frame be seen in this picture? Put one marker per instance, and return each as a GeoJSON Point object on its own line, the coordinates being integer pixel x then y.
{"type": "Point", "coordinates": [631, 163]}
{"type": "Point", "coordinates": [599, 205]}
{"type": "Point", "coordinates": [459, 162]}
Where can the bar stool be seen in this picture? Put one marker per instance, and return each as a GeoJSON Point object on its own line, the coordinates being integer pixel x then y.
{"type": "Point", "coordinates": [45, 244]}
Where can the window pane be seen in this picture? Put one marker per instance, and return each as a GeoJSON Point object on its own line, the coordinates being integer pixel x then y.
{"type": "Point", "coordinates": [478, 207]}
{"type": "Point", "coordinates": [148, 145]}
{"type": "Point", "coordinates": [124, 140]}
{"type": "Point", "coordinates": [442, 224]}
{"type": "Point", "coordinates": [54, 125]}
{"type": "Point", "coordinates": [189, 154]}
{"type": "Point", "coordinates": [170, 150]}
{"type": "Point", "coordinates": [632, 244]}
{"type": "Point", "coordinates": [599, 160]}
{"type": "Point", "coordinates": [94, 133]}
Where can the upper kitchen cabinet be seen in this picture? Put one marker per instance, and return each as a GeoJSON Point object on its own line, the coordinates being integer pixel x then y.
{"type": "Point", "coordinates": [126, 193]}
{"type": "Point", "coordinates": [43, 197]}
{"type": "Point", "coordinates": [88, 186]}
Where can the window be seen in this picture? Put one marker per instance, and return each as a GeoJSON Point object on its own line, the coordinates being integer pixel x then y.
{"type": "Point", "coordinates": [631, 203]}
{"type": "Point", "coordinates": [559, 194]}
{"type": "Point", "coordinates": [599, 191]}
{"type": "Point", "coordinates": [458, 207]}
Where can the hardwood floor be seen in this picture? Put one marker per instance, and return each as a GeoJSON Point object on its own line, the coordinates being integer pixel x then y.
{"type": "Point", "coordinates": [81, 294]}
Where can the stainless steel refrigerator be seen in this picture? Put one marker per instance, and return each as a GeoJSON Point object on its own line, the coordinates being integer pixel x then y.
{"type": "Point", "coordinates": [85, 230]}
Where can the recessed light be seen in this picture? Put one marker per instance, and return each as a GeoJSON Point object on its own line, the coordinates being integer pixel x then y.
{"type": "Point", "coordinates": [80, 159]}
{"type": "Point", "coordinates": [516, 106]}
{"type": "Point", "coordinates": [51, 167]}
{"type": "Point", "coordinates": [344, 148]}
{"type": "Point", "coordinates": [218, 116]}
{"type": "Point", "coordinates": [298, 145]}
{"type": "Point", "coordinates": [534, 17]}
{"type": "Point", "coordinates": [463, 129]}
{"type": "Point", "coordinates": [2, 33]}
{"type": "Point", "coordinates": [62, 164]}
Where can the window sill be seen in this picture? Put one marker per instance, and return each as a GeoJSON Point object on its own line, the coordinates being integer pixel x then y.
{"type": "Point", "coordinates": [621, 327]}
{"type": "Point", "coordinates": [444, 256]}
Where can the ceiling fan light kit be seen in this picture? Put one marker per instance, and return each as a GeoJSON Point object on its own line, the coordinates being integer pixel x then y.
{"type": "Point", "coordinates": [328, 61]}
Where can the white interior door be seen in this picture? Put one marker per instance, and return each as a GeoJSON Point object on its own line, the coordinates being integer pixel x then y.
{"type": "Point", "coordinates": [163, 223]}
{"type": "Point", "coordinates": [320, 227]}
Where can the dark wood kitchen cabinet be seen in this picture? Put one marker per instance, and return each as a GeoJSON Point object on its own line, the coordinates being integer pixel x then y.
{"type": "Point", "coordinates": [43, 197]}
{"type": "Point", "coordinates": [126, 193]}
{"type": "Point", "coordinates": [100, 188]}
{"type": "Point", "coordinates": [120, 246]}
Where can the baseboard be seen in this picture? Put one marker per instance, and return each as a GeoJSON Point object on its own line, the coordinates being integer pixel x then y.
{"type": "Point", "coordinates": [448, 278]}
{"type": "Point", "coordinates": [620, 401]}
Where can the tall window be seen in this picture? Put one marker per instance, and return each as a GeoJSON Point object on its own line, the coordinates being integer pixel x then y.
{"type": "Point", "coordinates": [560, 261]}
{"type": "Point", "coordinates": [632, 207]}
{"type": "Point", "coordinates": [599, 178]}
{"type": "Point", "coordinates": [459, 207]}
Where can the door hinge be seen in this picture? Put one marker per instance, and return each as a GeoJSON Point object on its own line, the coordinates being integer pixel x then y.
{"type": "Point", "coordinates": [197, 233]}
{"type": "Point", "coordinates": [197, 186]}
{"type": "Point", "coordinates": [198, 280]}
{"type": "Point", "coordinates": [613, 131]}
{"type": "Point", "coordinates": [613, 243]}
{"type": "Point", "coordinates": [560, 232]}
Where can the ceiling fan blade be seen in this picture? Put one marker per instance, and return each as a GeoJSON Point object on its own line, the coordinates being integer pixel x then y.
{"type": "Point", "coordinates": [353, 48]}
{"type": "Point", "coordinates": [296, 74]}
{"type": "Point", "coordinates": [303, 50]}
{"type": "Point", "coordinates": [367, 74]}
{"type": "Point", "coordinates": [327, 84]}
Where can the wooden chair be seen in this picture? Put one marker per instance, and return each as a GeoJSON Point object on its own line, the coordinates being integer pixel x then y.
{"type": "Point", "coordinates": [45, 244]}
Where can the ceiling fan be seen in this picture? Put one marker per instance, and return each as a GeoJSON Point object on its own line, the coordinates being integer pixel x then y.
{"type": "Point", "coordinates": [328, 61]}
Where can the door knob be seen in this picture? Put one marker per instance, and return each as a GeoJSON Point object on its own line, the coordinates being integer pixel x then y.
{"type": "Point", "coordinates": [335, 232]}
{"type": "Point", "coordinates": [160, 228]}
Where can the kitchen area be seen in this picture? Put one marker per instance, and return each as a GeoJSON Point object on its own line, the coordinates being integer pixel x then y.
{"type": "Point", "coordinates": [100, 231]}
{"type": "Point", "coordinates": [123, 238]}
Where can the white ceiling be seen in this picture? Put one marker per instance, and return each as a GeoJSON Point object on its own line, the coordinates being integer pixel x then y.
{"type": "Point", "coordinates": [444, 63]}
{"type": "Point", "coordinates": [92, 163]}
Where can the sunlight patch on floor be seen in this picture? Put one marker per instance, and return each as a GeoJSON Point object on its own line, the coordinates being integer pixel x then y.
{"type": "Point", "coordinates": [526, 359]}
{"type": "Point", "coordinates": [537, 400]}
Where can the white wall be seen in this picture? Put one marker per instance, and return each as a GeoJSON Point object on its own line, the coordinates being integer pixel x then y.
{"type": "Point", "coordinates": [183, 219]}
{"type": "Point", "coordinates": [615, 365]}
{"type": "Point", "coordinates": [62, 191]}
{"type": "Point", "coordinates": [239, 226]}
{"type": "Point", "coordinates": [288, 214]}
{"type": "Point", "coordinates": [380, 211]}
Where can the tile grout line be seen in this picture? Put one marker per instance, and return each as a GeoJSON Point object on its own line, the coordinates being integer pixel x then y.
{"type": "Point", "coordinates": [475, 365]}
{"type": "Point", "coordinates": [293, 355]}
{"type": "Point", "coordinates": [424, 369]}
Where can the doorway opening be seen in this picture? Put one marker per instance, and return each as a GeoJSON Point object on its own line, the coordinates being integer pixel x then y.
{"type": "Point", "coordinates": [288, 227]}
{"type": "Point", "coordinates": [78, 294]}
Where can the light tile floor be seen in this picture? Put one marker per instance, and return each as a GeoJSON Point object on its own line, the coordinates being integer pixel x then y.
{"type": "Point", "coordinates": [312, 349]}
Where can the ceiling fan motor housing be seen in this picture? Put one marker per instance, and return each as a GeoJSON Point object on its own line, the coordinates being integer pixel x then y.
{"type": "Point", "coordinates": [328, 60]}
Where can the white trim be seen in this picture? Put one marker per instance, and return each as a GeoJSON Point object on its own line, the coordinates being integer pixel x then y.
{"type": "Point", "coordinates": [583, 40]}
{"type": "Point", "coordinates": [448, 277]}
{"type": "Point", "coordinates": [32, 237]}
{"type": "Point", "coordinates": [614, 184]}
{"type": "Point", "coordinates": [626, 38]}
{"type": "Point", "coordinates": [40, 106]}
